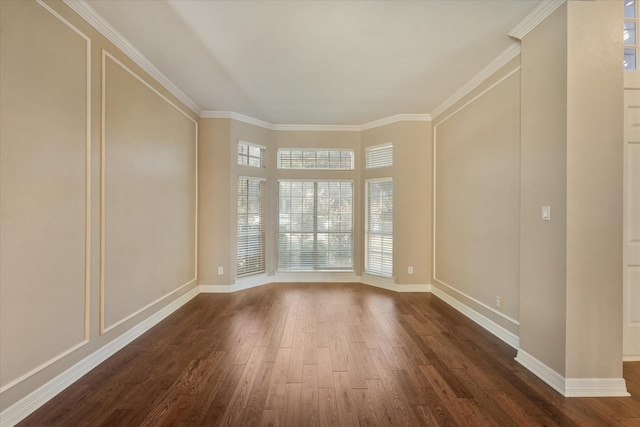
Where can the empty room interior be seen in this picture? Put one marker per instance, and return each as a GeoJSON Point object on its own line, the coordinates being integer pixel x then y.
{"type": "Point", "coordinates": [320, 212]}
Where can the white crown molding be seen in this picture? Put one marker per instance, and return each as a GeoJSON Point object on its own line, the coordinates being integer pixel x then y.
{"type": "Point", "coordinates": [208, 114]}
{"type": "Point", "coordinates": [90, 15]}
{"type": "Point", "coordinates": [318, 128]}
{"type": "Point", "coordinates": [315, 128]}
{"type": "Point", "coordinates": [395, 119]}
{"type": "Point", "coordinates": [507, 55]}
{"type": "Point", "coordinates": [532, 20]}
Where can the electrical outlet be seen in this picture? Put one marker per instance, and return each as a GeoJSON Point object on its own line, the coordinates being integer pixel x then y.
{"type": "Point", "coordinates": [220, 271]}
{"type": "Point", "coordinates": [410, 270]}
{"type": "Point", "coordinates": [499, 302]}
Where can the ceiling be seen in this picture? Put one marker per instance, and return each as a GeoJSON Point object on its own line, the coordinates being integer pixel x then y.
{"type": "Point", "coordinates": [317, 62]}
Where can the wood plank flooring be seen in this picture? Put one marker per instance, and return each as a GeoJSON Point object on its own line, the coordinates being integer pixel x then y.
{"type": "Point", "coordinates": [323, 355]}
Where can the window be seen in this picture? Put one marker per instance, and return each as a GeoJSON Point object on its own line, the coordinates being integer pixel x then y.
{"type": "Point", "coordinates": [630, 34]}
{"type": "Point", "coordinates": [378, 156]}
{"type": "Point", "coordinates": [250, 255]}
{"type": "Point", "coordinates": [379, 227]}
{"type": "Point", "coordinates": [315, 225]}
{"type": "Point", "coordinates": [250, 154]}
{"type": "Point", "coordinates": [315, 159]}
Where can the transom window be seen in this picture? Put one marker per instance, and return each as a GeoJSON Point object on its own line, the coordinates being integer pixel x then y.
{"type": "Point", "coordinates": [293, 158]}
{"type": "Point", "coordinates": [315, 225]}
{"type": "Point", "coordinates": [250, 154]}
{"type": "Point", "coordinates": [378, 156]}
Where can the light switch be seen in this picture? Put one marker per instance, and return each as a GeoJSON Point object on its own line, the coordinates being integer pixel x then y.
{"type": "Point", "coordinates": [546, 213]}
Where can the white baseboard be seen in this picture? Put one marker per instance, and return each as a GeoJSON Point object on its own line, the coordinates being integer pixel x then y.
{"type": "Point", "coordinates": [542, 371]}
{"type": "Point", "coordinates": [28, 404]}
{"type": "Point", "coordinates": [389, 284]}
{"type": "Point", "coordinates": [241, 284]}
{"type": "Point", "coordinates": [595, 387]}
{"type": "Point", "coordinates": [573, 387]}
{"type": "Point", "coordinates": [508, 337]}
{"type": "Point", "coordinates": [631, 358]}
{"type": "Point", "coordinates": [316, 277]}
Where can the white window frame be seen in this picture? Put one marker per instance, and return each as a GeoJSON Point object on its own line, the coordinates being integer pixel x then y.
{"type": "Point", "coordinates": [248, 157]}
{"type": "Point", "coordinates": [316, 150]}
{"type": "Point", "coordinates": [378, 156]}
{"type": "Point", "coordinates": [245, 251]}
{"type": "Point", "coordinates": [315, 229]}
{"type": "Point", "coordinates": [384, 267]}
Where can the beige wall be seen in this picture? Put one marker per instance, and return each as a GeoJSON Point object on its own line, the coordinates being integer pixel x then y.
{"type": "Point", "coordinates": [43, 186]}
{"type": "Point", "coordinates": [542, 243]}
{"type": "Point", "coordinates": [214, 194]}
{"type": "Point", "coordinates": [412, 174]}
{"type": "Point", "coordinates": [594, 190]}
{"type": "Point", "coordinates": [52, 297]}
{"type": "Point", "coordinates": [477, 163]}
{"type": "Point", "coordinates": [571, 283]}
{"type": "Point", "coordinates": [149, 195]}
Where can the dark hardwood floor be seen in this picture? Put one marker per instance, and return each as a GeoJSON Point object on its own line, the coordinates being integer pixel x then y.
{"type": "Point", "coordinates": [323, 355]}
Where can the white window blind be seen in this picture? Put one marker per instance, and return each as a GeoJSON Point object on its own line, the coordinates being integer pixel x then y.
{"type": "Point", "coordinates": [379, 227]}
{"type": "Point", "coordinates": [315, 159]}
{"type": "Point", "coordinates": [250, 254]}
{"type": "Point", "coordinates": [315, 225]}
{"type": "Point", "coordinates": [250, 154]}
{"type": "Point", "coordinates": [379, 156]}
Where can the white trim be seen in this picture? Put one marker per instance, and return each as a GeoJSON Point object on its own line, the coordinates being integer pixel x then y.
{"type": "Point", "coordinates": [313, 278]}
{"type": "Point", "coordinates": [90, 15]}
{"type": "Point", "coordinates": [633, 358]}
{"type": "Point", "coordinates": [103, 142]}
{"type": "Point", "coordinates": [28, 404]}
{"type": "Point", "coordinates": [480, 303]}
{"type": "Point", "coordinates": [42, 366]}
{"type": "Point", "coordinates": [595, 387]}
{"type": "Point", "coordinates": [573, 387]}
{"type": "Point", "coordinates": [146, 307]}
{"type": "Point", "coordinates": [508, 337]}
{"type": "Point", "coordinates": [315, 128]}
{"type": "Point", "coordinates": [87, 209]}
{"type": "Point", "coordinates": [88, 173]}
{"type": "Point", "coordinates": [495, 65]}
{"type": "Point", "coordinates": [208, 114]}
{"type": "Point", "coordinates": [254, 178]}
{"type": "Point", "coordinates": [318, 128]}
{"type": "Point", "coordinates": [316, 277]}
{"type": "Point", "coordinates": [475, 98]}
{"type": "Point", "coordinates": [389, 284]}
{"type": "Point", "coordinates": [542, 371]}
{"type": "Point", "coordinates": [251, 144]}
{"type": "Point", "coordinates": [395, 119]}
{"type": "Point", "coordinates": [241, 284]}
{"type": "Point", "coordinates": [533, 19]}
